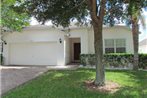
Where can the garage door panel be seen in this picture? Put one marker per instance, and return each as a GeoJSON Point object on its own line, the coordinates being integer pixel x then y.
{"type": "Point", "coordinates": [33, 53]}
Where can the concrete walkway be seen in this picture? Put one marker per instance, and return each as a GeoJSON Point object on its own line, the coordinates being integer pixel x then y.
{"type": "Point", "coordinates": [13, 76]}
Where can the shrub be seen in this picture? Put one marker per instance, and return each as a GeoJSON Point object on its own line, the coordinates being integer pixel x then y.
{"type": "Point", "coordinates": [115, 60]}
{"type": "Point", "coordinates": [143, 61]}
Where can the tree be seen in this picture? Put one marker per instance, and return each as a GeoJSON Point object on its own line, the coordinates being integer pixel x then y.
{"type": "Point", "coordinates": [11, 19]}
{"type": "Point", "coordinates": [103, 12]}
{"type": "Point", "coordinates": [133, 15]}
{"type": "Point", "coordinates": [62, 12]}
{"type": "Point", "coordinates": [97, 22]}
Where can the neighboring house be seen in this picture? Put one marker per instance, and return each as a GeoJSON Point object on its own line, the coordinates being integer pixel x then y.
{"type": "Point", "coordinates": [143, 46]}
{"type": "Point", "coordinates": [44, 45]}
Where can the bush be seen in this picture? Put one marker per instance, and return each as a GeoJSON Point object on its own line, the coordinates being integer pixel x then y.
{"type": "Point", "coordinates": [115, 60]}
{"type": "Point", "coordinates": [143, 61]}
{"type": "Point", "coordinates": [87, 59]}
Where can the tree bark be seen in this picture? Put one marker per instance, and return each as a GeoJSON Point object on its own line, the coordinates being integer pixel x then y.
{"type": "Point", "coordinates": [97, 22]}
{"type": "Point", "coordinates": [135, 33]}
{"type": "Point", "coordinates": [98, 44]}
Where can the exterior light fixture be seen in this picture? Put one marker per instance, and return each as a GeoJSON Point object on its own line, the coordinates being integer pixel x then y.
{"type": "Point", "coordinates": [60, 40]}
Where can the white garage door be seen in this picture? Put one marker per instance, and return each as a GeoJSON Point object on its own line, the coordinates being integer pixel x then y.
{"type": "Point", "coordinates": [39, 53]}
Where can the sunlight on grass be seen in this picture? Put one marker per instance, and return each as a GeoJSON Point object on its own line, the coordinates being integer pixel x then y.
{"type": "Point", "coordinates": [58, 75]}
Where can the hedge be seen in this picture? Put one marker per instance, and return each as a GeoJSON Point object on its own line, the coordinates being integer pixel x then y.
{"type": "Point", "coordinates": [115, 60]}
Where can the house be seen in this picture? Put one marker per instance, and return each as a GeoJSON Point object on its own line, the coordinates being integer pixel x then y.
{"type": "Point", "coordinates": [143, 46]}
{"type": "Point", "coordinates": [44, 45]}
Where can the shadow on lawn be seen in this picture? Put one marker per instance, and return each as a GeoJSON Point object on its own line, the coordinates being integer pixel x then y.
{"type": "Point", "coordinates": [139, 90]}
{"type": "Point", "coordinates": [77, 77]}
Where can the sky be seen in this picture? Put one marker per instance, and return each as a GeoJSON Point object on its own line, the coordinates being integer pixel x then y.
{"type": "Point", "coordinates": [143, 30]}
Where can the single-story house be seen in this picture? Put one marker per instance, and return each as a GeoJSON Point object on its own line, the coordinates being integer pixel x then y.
{"type": "Point", "coordinates": [143, 46]}
{"type": "Point", "coordinates": [44, 45]}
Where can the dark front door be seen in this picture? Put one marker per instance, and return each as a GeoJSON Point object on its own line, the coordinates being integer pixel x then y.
{"type": "Point", "coordinates": [77, 51]}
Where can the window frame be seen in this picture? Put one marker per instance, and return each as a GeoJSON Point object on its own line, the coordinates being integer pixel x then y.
{"type": "Point", "coordinates": [115, 45]}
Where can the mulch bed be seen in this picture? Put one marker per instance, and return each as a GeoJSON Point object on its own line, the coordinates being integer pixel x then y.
{"type": "Point", "coordinates": [109, 87]}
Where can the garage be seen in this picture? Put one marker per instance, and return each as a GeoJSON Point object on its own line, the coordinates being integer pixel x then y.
{"type": "Point", "coordinates": [33, 53]}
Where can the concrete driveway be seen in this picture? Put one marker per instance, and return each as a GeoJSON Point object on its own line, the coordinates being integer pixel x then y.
{"type": "Point", "coordinates": [12, 76]}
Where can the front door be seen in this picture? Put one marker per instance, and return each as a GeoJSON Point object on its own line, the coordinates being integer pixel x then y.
{"type": "Point", "coordinates": [77, 51]}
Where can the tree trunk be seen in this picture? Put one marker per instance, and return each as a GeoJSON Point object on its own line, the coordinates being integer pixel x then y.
{"type": "Point", "coordinates": [98, 44]}
{"type": "Point", "coordinates": [97, 22]}
{"type": "Point", "coordinates": [135, 33]}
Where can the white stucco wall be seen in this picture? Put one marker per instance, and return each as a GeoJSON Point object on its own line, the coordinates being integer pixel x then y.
{"type": "Point", "coordinates": [85, 34]}
{"type": "Point", "coordinates": [36, 34]}
{"type": "Point", "coordinates": [143, 49]}
{"type": "Point", "coordinates": [67, 50]}
{"type": "Point", "coordinates": [143, 46]}
{"type": "Point", "coordinates": [118, 32]}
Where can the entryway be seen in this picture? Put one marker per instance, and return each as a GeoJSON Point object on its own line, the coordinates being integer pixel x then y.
{"type": "Point", "coordinates": [75, 50]}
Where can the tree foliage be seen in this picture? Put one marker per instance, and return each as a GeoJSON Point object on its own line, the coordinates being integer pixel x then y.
{"type": "Point", "coordinates": [11, 18]}
{"type": "Point", "coordinates": [133, 15]}
{"type": "Point", "coordinates": [61, 12]}
{"type": "Point", "coordinates": [134, 9]}
{"type": "Point", "coordinates": [114, 12]}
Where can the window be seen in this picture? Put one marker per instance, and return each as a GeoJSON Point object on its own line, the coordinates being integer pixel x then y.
{"type": "Point", "coordinates": [115, 46]}
{"type": "Point", "coordinates": [120, 45]}
{"type": "Point", "coordinates": [109, 46]}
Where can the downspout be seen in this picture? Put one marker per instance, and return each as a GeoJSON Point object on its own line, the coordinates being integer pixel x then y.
{"type": "Point", "coordinates": [1, 53]}
{"type": "Point", "coordinates": [4, 32]}
{"type": "Point", "coordinates": [2, 46]}
{"type": "Point", "coordinates": [1, 43]}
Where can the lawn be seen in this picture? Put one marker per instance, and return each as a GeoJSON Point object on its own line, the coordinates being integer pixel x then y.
{"type": "Point", "coordinates": [70, 84]}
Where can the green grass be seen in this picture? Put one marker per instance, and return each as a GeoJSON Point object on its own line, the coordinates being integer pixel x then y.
{"type": "Point", "coordinates": [69, 84]}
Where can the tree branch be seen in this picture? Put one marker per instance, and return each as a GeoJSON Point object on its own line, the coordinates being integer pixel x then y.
{"type": "Point", "coordinates": [102, 9]}
{"type": "Point", "coordinates": [93, 10]}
